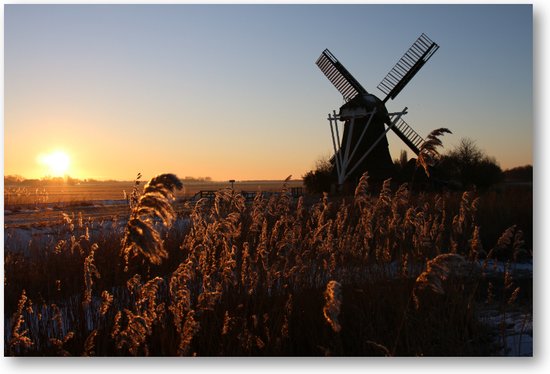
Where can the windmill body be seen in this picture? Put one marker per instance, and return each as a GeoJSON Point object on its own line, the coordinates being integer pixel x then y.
{"type": "Point", "coordinates": [363, 145]}
{"type": "Point", "coordinates": [378, 161]}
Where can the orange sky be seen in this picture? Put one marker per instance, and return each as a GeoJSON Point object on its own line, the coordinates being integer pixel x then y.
{"type": "Point", "coordinates": [232, 92]}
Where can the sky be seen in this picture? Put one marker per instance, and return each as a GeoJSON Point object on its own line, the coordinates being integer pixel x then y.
{"type": "Point", "coordinates": [233, 92]}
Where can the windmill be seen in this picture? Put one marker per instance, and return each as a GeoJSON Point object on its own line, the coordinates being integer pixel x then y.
{"type": "Point", "coordinates": [363, 145]}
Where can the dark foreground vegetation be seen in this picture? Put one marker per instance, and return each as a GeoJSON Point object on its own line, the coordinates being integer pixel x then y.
{"type": "Point", "coordinates": [390, 274]}
{"type": "Point", "coordinates": [464, 167]}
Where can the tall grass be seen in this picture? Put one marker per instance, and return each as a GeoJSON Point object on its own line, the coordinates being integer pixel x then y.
{"type": "Point", "coordinates": [384, 274]}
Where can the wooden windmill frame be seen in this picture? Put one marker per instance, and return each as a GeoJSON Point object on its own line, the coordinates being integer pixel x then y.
{"type": "Point", "coordinates": [392, 84]}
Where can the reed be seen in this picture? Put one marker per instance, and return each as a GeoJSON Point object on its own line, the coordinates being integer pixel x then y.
{"type": "Point", "coordinates": [392, 273]}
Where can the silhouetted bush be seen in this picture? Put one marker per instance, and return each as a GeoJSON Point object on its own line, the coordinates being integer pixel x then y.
{"type": "Point", "coordinates": [321, 178]}
{"type": "Point", "coordinates": [469, 166]}
{"type": "Point", "coordinates": [519, 174]}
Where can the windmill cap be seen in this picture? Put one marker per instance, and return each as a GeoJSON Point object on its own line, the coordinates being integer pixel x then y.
{"type": "Point", "coordinates": [360, 105]}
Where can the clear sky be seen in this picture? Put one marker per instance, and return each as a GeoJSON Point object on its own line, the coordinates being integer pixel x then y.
{"type": "Point", "coordinates": [233, 92]}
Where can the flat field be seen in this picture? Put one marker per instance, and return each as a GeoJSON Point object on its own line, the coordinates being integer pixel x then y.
{"type": "Point", "coordinates": [22, 194]}
{"type": "Point", "coordinates": [42, 204]}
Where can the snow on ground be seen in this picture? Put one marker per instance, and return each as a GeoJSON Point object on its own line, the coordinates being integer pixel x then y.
{"type": "Point", "coordinates": [518, 269]}
{"type": "Point", "coordinates": [514, 331]}
{"type": "Point", "coordinates": [19, 239]}
{"type": "Point", "coordinates": [514, 326]}
{"type": "Point", "coordinates": [100, 203]}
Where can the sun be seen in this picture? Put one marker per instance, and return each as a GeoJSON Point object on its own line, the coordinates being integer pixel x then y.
{"type": "Point", "coordinates": [57, 163]}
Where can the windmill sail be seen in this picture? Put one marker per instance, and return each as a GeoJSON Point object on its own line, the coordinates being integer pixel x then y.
{"type": "Point", "coordinates": [408, 135]}
{"type": "Point", "coordinates": [407, 67]}
{"type": "Point", "coordinates": [339, 76]}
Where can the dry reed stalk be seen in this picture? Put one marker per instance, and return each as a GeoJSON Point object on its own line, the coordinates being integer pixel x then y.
{"type": "Point", "coordinates": [333, 301]}
{"type": "Point", "coordinates": [508, 280]}
{"type": "Point", "coordinates": [381, 348]}
{"type": "Point", "coordinates": [399, 204]}
{"type": "Point", "coordinates": [133, 198]}
{"type": "Point", "coordinates": [257, 213]}
{"type": "Point", "coordinates": [405, 265]}
{"type": "Point", "coordinates": [58, 249]}
{"type": "Point", "coordinates": [57, 318]}
{"type": "Point", "coordinates": [134, 335]}
{"type": "Point", "coordinates": [265, 322]}
{"type": "Point", "coordinates": [90, 271]}
{"type": "Point", "coordinates": [210, 295]}
{"type": "Point", "coordinates": [227, 323]}
{"type": "Point", "coordinates": [476, 248]}
{"type": "Point", "coordinates": [59, 337]}
{"type": "Point", "coordinates": [190, 328]}
{"type": "Point", "coordinates": [116, 325]}
{"type": "Point", "coordinates": [133, 283]}
{"type": "Point", "coordinates": [285, 327]}
{"type": "Point", "coordinates": [68, 221]}
{"type": "Point", "coordinates": [146, 302]}
{"type": "Point", "coordinates": [59, 343]}
{"type": "Point", "coordinates": [429, 154]}
{"type": "Point", "coordinates": [228, 265]}
{"type": "Point", "coordinates": [262, 249]}
{"type": "Point", "coordinates": [518, 245]}
{"type": "Point", "coordinates": [361, 196]}
{"type": "Point", "coordinates": [438, 270]}
{"type": "Point", "coordinates": [513, 296]}
{"type": "Point", "coordinates": [89, 344]}
{"type": "Point", "coordinates": [106, 302]}
{"type": "Point", "coordinates": [141, 236]}
{"type": "Point", "coordinates": [511, 238]}
{"type": "Point", "coordinates": [385, 196]}
{"type": "Point", "coordinates": [139, 323]}
{"type": "Point", "coordinates": [19, 339]}
{"type": "Point", "coordinates": [300, 209]}
{"type": "Point", "coordinates": [460, 220]}
{"type": "Point", "coordinates": [180, 307]}
{"type": "Point", "coordinates": [505, 238]}
{"type": "Point", "coordinates": [245, 265]}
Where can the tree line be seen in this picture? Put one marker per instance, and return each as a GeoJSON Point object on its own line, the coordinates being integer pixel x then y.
{"type": "Point", "coordinates": [465, 166]}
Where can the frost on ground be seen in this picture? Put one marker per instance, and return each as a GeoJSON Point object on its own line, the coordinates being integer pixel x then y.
{"type": "Point", "coordinates": [512, 325]}
{"type": "Point", "coordinates": [518, 269]}
{"type": "Point", "coordinates": [514, 331]}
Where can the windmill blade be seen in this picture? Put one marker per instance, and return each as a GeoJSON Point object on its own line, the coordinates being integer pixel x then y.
{"type": "Point", "coordinates": [408, 135]}
{"type": "Point", "coordinates": [406, 68]}
{"type": "Point", "coordinates": [339, 76]}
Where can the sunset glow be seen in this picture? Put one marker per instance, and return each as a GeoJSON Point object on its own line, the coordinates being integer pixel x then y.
{"type": "Point", "coordinates": [191, 95]}
{"type": "Point", "coordinates": [57, 163]}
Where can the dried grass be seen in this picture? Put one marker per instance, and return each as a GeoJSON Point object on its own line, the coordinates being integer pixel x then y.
{"type": "Point", "coordinates": [258, 278]}
{"type": "Point", "coordinates": [333, 302]}
{"type": "Point", "coordinates": [141, 235]}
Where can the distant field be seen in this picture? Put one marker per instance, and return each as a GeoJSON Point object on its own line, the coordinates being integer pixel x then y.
{"type": "Point", "coordinates": [52, 194]}
{"type": "Point", "coordinates": [39, 206]}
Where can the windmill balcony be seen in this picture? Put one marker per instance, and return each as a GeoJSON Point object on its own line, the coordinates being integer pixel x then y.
{"type": "Point", "coordinates": [353, 112]}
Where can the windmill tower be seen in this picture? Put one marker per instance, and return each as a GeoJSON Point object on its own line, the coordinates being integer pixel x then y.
{"type": "Point", "coordinates": [362, 145]}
